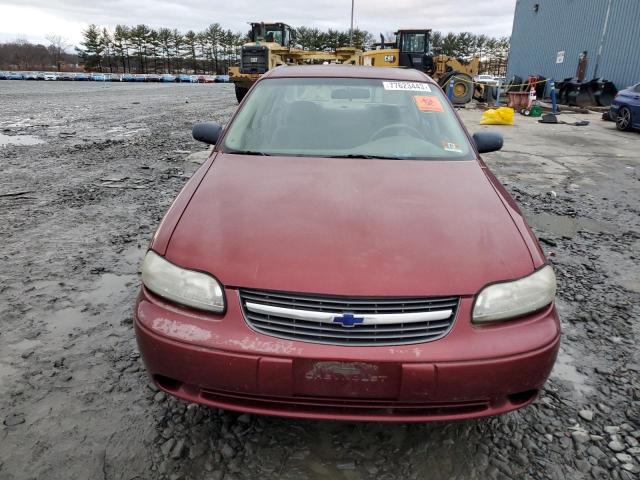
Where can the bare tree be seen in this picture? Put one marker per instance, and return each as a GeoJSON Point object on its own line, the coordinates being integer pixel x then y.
{"type": "Point", "coordinates": [57, 47]}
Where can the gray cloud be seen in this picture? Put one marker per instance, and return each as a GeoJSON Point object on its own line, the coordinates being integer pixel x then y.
{"type": "Point", "coordinates": [493, 17]}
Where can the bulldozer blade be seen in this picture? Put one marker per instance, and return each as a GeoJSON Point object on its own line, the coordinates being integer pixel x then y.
{"type": "Point", "coordinates": [603, 92]}
{"type": "Point", "coordinates": [582, 96]}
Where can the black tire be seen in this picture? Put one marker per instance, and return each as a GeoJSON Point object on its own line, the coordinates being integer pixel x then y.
{"type": "Point", "coordinates": [462, 87]}
{"type": "Point", "coordinates": [240, 92]}
{"type": "Point", "coordinates": [624, 120]}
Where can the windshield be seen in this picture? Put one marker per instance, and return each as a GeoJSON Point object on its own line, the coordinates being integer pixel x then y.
{"type": "Point", "coordinates": [351, 117]}
{"type": "Point", "coordinates": [273, 35]}
{"type": "Point", "coordinates": [413, 42]}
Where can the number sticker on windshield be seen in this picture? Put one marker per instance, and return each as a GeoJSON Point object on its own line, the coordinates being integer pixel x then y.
{"type": "Point", "coordinates": [428, 104]}
{"type": "Point", "coordinates": [408, 86]}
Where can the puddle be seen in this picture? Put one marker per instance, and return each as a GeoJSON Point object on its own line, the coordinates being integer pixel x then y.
{"type": "Point", "coordinates": [25, 345]}
{"type": "Point", "coordinates": [622, 266]}
{"type": "Point", "coordinates": [107, 292]}
{"type": "Point", "coordinates": [108, 289]}
{"type": "Point", "coordinates": [108, 285]}
{"type": "Point", "coordinates": [565, 370]}
{"type": "Point", "coordinates": [68, 319]}
{"type": "Point", "coordinates": [19, 140]}
{"type": "Point", "coordinates": [134, 255]}
{"type": "Point", "coordinates": [6, 371]}
{"type": "Point", "coordinates": [567, 226]}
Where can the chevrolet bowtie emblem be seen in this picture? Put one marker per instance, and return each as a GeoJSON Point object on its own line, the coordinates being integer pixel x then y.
{"type": "Point", "coordinates": [348, 320]}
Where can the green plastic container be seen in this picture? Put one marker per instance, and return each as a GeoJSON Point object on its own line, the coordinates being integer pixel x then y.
{"type": "Point", "coordinates": [536, 111]}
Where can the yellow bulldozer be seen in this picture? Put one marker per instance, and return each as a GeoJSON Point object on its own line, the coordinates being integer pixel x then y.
{"type": "Point", "coordinates": [273, 44]}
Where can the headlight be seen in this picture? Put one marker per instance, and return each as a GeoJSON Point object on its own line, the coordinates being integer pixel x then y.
{"type": "Point", "coordinates": [513, 299]}
{"type": "Point", "coordinates": [194, 289]}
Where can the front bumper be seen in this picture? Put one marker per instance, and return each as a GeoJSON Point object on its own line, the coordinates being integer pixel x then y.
{"type": "Point", "coordinates": [217, 360]}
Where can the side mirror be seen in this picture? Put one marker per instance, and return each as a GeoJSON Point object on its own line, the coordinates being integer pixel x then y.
{"type": "Point", "coordinates": [488, 141]}
{"type": "Point", "coordinates": [207, 132]}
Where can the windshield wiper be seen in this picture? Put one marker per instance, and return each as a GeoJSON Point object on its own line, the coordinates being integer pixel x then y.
{"type": "Point", "coordinates": [247, 152]}
{"type": "Point", "coordinates": [359, 155]}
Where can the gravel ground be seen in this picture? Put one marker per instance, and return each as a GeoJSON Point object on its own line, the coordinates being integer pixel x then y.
{"type": "Point", "coordinates": [87, 171]}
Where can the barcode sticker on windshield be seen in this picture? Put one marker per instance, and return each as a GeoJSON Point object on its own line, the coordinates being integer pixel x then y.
{"type": "Point", "coordinates": [409, 86]}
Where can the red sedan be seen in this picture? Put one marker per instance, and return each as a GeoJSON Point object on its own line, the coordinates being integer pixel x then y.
{"type": "Point", "coordinates": [346, 254]}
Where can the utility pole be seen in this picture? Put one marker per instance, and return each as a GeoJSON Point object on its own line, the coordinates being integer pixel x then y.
{"type": "Point", "coordinates": [602, 38]}
{"type": "Point", "coordinates": [351, 29]}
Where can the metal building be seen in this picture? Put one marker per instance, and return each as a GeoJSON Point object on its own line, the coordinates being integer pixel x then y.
{"type": "Point", "coordinates": [549, 37]}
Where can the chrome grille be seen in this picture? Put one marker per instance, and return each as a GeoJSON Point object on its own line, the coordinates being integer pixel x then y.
{"type": "Point", "coordinates": [383, 321]}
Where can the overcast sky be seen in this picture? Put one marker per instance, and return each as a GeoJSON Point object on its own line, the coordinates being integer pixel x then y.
{"type": "Point", "coordinates": [33, 19]}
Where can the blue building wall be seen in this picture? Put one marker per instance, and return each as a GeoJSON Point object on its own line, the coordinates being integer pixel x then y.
{"type": "Point", "coordinates": [574, 26]}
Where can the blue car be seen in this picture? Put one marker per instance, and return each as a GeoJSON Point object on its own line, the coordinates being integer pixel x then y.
{"type": "Point", "coordinates": [81, 77]}
{"type": "Point", "coordinates": [98, 77]}
{"type": "Point", "coordinates": [126, 77]}
{"type": "Point", "coordinates": [15, 76]}
{"type": "Point", "coordinates": [625, 108]}
{"type": "Point", "coordinates": [168, 78]}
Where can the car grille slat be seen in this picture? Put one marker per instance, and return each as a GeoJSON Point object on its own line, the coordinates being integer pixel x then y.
{"type": "Point", "coordinates": [340, 308]}
{"type": "Point", "coordinates": [341, 339]}
{"type": "Point", "coordinates": [376, 327]}
{"type": "Point", "coordinates": [255, 295]}
{"type": "Point", "coordinates": [335, 327]}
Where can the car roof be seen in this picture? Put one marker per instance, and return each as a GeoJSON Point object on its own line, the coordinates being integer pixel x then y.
{"type": "Point", "coordinates": [347, 71]}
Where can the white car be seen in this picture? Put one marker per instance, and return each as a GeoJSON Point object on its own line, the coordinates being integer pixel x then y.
{"type": "Point", "coordinates": [486, 79]}
{"type": "Point", "coordinates": [50, 76]}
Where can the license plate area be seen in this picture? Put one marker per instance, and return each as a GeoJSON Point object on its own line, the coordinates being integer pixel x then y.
{"type": "Point", "coordinates": [341, 379]}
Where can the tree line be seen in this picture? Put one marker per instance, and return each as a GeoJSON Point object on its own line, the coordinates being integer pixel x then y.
{"type": "Point", "coordinates": [23, 55]}
{"type": "Point", "coordinates": [493, 52]}
{"type": "Point", "coordinates": [142, 49]}
{"type": "Point", "coordinates": [310, 38]}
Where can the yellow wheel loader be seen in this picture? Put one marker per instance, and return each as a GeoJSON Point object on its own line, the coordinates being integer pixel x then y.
{"type": "Point", "coordinates": [413, 50]}
{"type": "Point", "coordinates": [271, 45]}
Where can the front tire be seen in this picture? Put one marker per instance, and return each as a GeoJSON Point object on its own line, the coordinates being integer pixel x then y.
{"type": "Point", "coordinates": [623, 120]}
{"type": "Point", "coordinates": [240, 92]}
{"type": "Point", "coordinates": [462, 87]}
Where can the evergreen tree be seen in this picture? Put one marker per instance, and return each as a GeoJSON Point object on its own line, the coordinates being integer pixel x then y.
{"type": "Point", "coordinates": [91, 54]}
{"type": "Point", "coordinates": [140, 39]}
{"type": "Point", "coordinates": [213, 34]}
{"type": "Point", "coordinates": [190, 43]}
{"type": "Point", "coordinates": [465, 45]}
{"type": "Point", "coordinates": [178, 49]}
{"type": "Point", "coordinates": [450, 44]}
{"type": "Point", "coordinates": [154, 48]}
{"type": "Point", "coordinates": [165, 42]}
{"type": "Point", "coordinates": [121, 45]}
{"type": "Point", "coordinates": [436, 43]}
{"type": "Point", "coordinates": [107, 46]}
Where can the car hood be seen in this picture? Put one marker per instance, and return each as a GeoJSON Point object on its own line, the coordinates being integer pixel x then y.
{"type": "Point", "coordinates": [349, 227]}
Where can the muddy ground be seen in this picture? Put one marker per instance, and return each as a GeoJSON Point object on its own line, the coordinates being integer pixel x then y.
{"type": "Point", "coordinates": [87, 171]}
